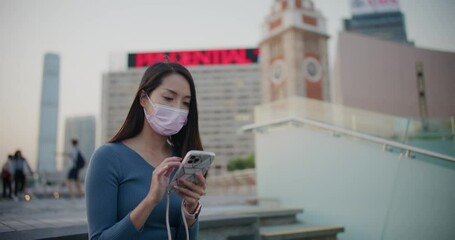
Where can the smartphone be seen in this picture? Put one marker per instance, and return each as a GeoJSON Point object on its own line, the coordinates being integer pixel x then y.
{"type": "Point", "coordinates": [194, 161]}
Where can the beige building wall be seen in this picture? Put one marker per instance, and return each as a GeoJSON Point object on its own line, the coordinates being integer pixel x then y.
{"type": "Point", "coordinates": [381, 76]}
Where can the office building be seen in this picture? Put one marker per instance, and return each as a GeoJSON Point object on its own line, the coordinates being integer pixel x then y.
{"type": "Point", "coordinates": [379, 19]}
{"type": "Point", "coordinates": [393, 78]}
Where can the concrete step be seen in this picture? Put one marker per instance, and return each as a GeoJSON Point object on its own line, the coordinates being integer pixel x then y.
{"type": "Point", "coordinates": [300, 231]}
{"type": "Point", "coordinates": [268, 216]}
{"type": "Point", "coordinates": [232, 227]}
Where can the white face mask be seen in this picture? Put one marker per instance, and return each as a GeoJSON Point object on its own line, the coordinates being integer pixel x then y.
{"type": "Point", "coordinates": [165, 120]}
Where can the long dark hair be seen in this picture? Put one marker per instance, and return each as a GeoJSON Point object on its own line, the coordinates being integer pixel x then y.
{"type": "Point", "coordinates": [188, 137]}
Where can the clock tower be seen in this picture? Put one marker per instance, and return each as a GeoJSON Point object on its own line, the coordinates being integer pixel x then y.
{"type": "Point", "coordinates": [294, 58]}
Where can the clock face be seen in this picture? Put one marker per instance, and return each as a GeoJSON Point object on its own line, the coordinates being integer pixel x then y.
{"type": "Point", "coordinates": [278, 72]}
{"type": "Point", "coordinates": [312, 69]}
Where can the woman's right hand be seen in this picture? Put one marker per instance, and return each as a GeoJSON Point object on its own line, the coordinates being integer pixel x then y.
{"type": "Point", "coordinates": [160, 178]}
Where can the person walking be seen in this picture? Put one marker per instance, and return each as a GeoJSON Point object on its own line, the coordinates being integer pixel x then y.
{"type": "Point", "coordinates": [7, 177]}
{"type": "Point", "coordinates": [78, 162]}
{"type": "Point", "coordinates": [20, 164]}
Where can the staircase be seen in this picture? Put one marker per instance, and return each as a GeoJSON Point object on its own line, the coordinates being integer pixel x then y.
{"type": "Point", "coordinates": [275, 224]}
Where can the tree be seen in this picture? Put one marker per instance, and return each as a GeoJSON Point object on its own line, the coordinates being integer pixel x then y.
{"type": "Point", "coordinates": [241, 163]}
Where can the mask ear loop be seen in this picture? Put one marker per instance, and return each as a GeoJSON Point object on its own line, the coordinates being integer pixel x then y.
{"type": "Point", "coordinates": [150, 100]}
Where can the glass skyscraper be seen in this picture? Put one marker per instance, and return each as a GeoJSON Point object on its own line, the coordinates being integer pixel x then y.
{"type": "Point", "coordinates": [387, 26]}
{"type": "Point", "coordinates": [48, 123]}
{"type": "Point", "coordinates": [379, 19]}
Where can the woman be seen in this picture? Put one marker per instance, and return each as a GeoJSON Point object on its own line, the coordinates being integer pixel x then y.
{"type": "Point", "coordinates": [127, 178]}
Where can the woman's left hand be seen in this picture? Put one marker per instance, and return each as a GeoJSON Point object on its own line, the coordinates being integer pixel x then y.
{"type": "Point", "coordinates": [190, 192]}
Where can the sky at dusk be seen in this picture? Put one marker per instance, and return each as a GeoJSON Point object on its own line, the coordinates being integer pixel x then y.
{"type": "Point", "coordinates": [84, 33]}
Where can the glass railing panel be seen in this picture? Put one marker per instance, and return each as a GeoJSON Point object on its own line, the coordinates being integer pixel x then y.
{"type": "Point", "coordinates": [374, 192]}
{"type": "Point", "coordinates": [432, 134]}
{"type": "Point", "coordinates": [436, 135]}
{"type": "Point", "coordinates": [371, 123]}
{"type": "Point", "coordinates": [422, 200]}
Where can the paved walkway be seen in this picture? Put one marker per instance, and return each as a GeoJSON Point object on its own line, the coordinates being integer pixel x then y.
{"type": "Point", "coordinates": [63, 212]}
{"type": "Point", "coordinates": [46, 213]}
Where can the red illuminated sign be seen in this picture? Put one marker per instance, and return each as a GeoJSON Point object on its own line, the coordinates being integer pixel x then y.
{"type": "Point", "coordinates": [193, 58]}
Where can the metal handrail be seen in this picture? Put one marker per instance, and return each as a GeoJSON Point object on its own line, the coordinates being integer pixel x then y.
{"type": "Point", "coordinates": [406, 147]}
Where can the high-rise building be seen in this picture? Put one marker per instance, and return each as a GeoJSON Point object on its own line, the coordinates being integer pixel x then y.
{"type": "Point", "coordinates": [377, 18]}
{"type": "Point", "coordinates": [83, 129]}
{"type": "Point", "coordinates": [294, 55]}
{"type": "Point", "coordinates": [228, 86]}
{"type": "Point", "coordinates": [47, 138]}
{"type": "Point", "coordinates": [393, 78]}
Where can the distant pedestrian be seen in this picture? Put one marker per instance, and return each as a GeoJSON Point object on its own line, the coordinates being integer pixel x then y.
{"type": "Point", "coordinates": [77, 162]}
{"type": "Point", "coordinates": [20, 164]}
{"type": "Point", "coordinates": [7, 177]}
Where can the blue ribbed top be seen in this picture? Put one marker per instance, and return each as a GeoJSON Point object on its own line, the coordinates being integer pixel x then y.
{"type": "Point", "coordinates": [117, 180]}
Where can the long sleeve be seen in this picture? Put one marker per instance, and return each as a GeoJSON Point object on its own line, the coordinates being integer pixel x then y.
{"type": "Point", "coordinates": [193, 231]}
{"type": "Point", "coordinates": [102, 181]}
